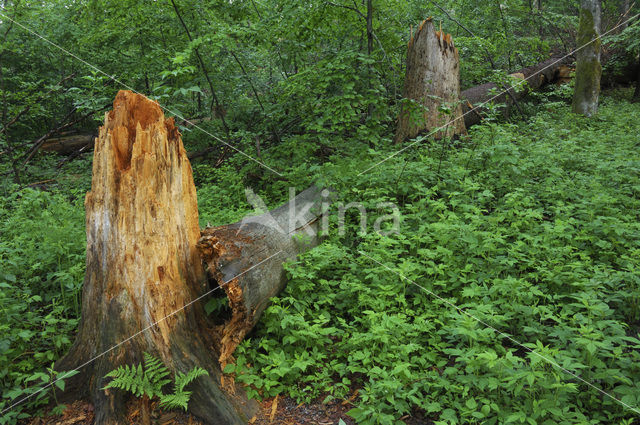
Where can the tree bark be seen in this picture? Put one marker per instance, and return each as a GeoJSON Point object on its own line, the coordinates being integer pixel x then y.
{"type": "Point", "coordinates": [431, 87]}
{"type": "Point", "coordinates": [230, 252]}
{"type": "Point", "coordinates": [143, 269]}
{"type": "Point", "coordinates": [588, 67]}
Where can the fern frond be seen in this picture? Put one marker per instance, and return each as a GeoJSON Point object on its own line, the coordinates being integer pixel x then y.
{"type": "Point", "coordinates": [172, 401]}
{"type": "Point", "coordinates": [138, 380]}
{"type": "Point", "coordinates": [180, 396]}
{"type": "Point", "coordinates": [148, 381]}
{"type": "Point", "coordinates": [155, 374]}
{"type": "Point", "coordinates": [182, 379]}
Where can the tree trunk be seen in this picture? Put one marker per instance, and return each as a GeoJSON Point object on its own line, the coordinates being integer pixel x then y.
{"type": "Point", "coordinates": [232, 251]}
{"type": "Point", "coordinates": [623, 10]}
{"type": "Point", "coordinates": [143, 268]}
{"type": "Point", "coordinates": [588, 68]}
{"type": "Point", "coordinates": [369, 27]}
{"type": "Point", "coordinates": [431, 86]}
{"type": "Point", "coordinates": [636, 93]}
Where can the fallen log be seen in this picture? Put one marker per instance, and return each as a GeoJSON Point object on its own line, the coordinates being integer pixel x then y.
{"type": "Point", "coordinates": [231, 251]}
{"type": "Point", "coordinates": [68, 144]}
{"type": "Point", "coordinates": [536, 76]}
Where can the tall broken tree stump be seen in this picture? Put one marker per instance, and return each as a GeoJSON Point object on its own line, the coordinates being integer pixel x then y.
{"type": "Point", "coordinates": [143, 268]}
{"type": "Point", "coordinates": [431, 87]}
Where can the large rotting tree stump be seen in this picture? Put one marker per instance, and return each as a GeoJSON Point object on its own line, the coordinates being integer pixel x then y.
{"type": "Point", "coordinates": [143, 267]}
{"type": "Point", "coordinates": [431, 86]}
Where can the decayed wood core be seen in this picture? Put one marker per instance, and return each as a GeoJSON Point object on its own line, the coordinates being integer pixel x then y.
{"type": "Point", "coordinates": [231, 333]}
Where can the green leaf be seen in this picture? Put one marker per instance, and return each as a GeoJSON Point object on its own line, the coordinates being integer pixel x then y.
{"type": "Point", "coordinates": [471, 403]}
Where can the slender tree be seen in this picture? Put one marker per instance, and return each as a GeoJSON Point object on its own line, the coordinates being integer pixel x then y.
{"type": "Point", "coordinates": [588, 68]}
{"type": "Point", "coordinates": [636, 93]}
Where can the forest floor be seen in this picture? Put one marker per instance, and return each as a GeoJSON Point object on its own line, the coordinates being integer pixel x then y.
{"type": "Point", "coordinates": [273, 411]}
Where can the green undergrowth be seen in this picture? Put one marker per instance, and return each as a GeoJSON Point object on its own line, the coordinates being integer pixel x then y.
{"type": "Point", "coordinates": [532, 229]}
{"type": "Point", "coordinates": [42, 248]}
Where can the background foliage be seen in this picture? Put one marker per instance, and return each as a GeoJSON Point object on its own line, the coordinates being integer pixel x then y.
{"type": "Point", "coordinates": [533, 231]}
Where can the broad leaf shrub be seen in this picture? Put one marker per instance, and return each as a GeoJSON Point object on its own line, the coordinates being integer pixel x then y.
{"type": "Point", "coordinates": [532, 228]}
{"type": "Point", "coordinates": [41, 270]}
{"type": "Point", "coordinates": [219, 204]}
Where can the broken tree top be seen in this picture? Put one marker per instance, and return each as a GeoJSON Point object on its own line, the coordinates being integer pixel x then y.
{"type": "Point", "coordinates": [444, 40]}
{"type": "Point", "coordinates": [130, 112]}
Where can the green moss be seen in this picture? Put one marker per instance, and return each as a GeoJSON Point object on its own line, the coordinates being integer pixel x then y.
{"type": "Point", "coordinates": [586, 28]}
{"type": "Point", "coordinates": [588, 68]}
